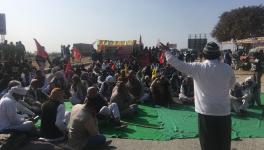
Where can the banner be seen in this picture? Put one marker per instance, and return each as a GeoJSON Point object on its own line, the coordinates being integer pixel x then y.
{"type": "Point", "coordinates": [116, 43]}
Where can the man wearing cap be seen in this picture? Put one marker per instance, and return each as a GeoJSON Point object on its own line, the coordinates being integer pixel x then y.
{"type": "Point", "coordinates": [242, 95]}
{"type": "Point", "coordinates": [186, 95]}
{"type": "Point", "coordinates": [35, 97]}
{"type": "Point", "coordinates": [54, 118]}
{"type": "Point", "coordinates": [102, 107]}
{"type": "Point", "coordinates": [83, 125]}
{"type": "Point", "coordinates": [8, 111]}
{"type": "Point", "coordinates": [160, 92]}
{"type": "Point", "coordinates": [107, 87]}
{"type": "Point", "coordinates": [134, 86]}
{"type": "Point", "coordinates": [212, 82]}
{"type": "Point", "coordinates": [22, 106]}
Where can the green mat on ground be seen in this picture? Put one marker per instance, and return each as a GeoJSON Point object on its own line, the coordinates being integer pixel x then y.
{"type": "Point", "coordinates": [180, 122]}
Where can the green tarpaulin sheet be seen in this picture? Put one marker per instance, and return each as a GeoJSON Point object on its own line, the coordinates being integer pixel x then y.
{"type": "Point", "coordinates": [180, 122]}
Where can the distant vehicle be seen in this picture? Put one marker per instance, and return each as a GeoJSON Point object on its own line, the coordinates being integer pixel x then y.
{"type": "Point", "coordinates": [85, 49]}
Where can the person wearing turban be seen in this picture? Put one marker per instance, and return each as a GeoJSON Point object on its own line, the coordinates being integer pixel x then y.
{"type": "Point", "coordinates": [10, 119]}
{"type": "Point", "coordinates": [53, 117]}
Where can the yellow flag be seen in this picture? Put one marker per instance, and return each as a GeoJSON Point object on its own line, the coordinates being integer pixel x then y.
{"type": "Point", "coordinates": [126, 69]}
{"type": "Point", "coordinates": [154, 73]}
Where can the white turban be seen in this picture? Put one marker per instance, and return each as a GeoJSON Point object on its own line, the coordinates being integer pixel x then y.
{"type": "Point", "coordinates": [248, 79]}
{"type": "Point", "coordinates": [110, 79]}
{"type": "Point", "coordinates": [90, 89]}
{"type": "Point", "coordinates": [18, 90]}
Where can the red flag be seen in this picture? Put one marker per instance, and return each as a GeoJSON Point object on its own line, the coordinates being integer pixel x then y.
{"type": "Point", "coordinates": [40, 50]}
{"type": "Point", "coordinates": [76, 53]}
{"type": "Point", "coordinates": [162, 58]}
{"type": "Point", "coordinates": [68, 69]}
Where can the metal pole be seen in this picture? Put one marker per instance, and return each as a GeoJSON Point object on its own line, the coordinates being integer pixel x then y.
{"type": "Point", "coordinates": [2, 38]}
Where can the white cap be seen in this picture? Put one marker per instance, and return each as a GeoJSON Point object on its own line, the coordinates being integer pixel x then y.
{"type": "Point", "coordinates": [110, 79]}
{"type": "Point", "coordinates": [249, 79]}
{"type": "Point", "coordinates": [18, 90]}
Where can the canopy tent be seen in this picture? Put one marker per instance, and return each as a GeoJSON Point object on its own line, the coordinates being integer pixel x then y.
{"type": "Point", "coordinates": [256, 49]}
{"type": "Point", "coordinates": [256, 40]}
{"type": "Point", "coordinates": [116, 49]}
{"type": "Point", "coordinates": [102, 44]}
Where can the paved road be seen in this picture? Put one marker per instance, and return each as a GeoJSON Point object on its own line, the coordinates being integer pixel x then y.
{"type": "Point", "coordinates": [182, 144]}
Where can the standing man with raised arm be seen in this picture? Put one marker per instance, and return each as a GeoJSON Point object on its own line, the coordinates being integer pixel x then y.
{"type": "Point", "coordinates": [212, 82]}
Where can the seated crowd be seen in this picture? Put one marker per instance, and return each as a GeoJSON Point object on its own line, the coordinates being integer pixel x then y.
{"type": "Point", "coordinates": [100, 93]}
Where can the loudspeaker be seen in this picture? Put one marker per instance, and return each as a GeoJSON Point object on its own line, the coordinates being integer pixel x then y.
{"type": "Point", "coordinates": [2, 24]}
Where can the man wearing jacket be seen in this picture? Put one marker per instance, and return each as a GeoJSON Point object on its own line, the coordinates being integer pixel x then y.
{"type": "Point", "coordinates": [212, 82]}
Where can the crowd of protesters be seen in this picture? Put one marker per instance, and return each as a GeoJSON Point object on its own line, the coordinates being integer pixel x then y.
{"type": "Point", "coordinates": [104, 91]}
{"type": "Point", "coordinates": [15, 51]}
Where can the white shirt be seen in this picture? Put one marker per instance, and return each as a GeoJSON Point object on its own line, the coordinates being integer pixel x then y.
{"type": "Point", "coordinates": [212, 82]}
{"type": "Point", "coordinates": [104, 66]}
{"type": "Point", "coordinates": [8, 112]}
{"type": "Point", "coordinates": [60, 118]}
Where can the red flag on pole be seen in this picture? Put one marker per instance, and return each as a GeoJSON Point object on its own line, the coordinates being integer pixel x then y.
{"type": "Point", "coordinates": [76, 53]}
{"type": "Point", "coordinates": [40, 50]}
{"type": "Point", "coordinates": [161, 58]}
{"type": "Point", "coordinates": [68, 69]}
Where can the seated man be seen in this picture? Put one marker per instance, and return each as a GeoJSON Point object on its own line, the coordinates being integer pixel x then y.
{"type": "Point", "coordinates": [242, 95]}
{"type": "Point", "coordinates": [186, 95]}
{"type": "Point", "coordinates": [121, 97]}
{"type": "Point", "coordinates": [175, 83]}
{"type": "Point", "coordinates": [256, 92]}
{"type": "Point", "coordinates": [107, 87]}
{"type": "Point", "coordinates": [10, 119]}
{"type": "Point", "coordinates": [78, 90]}
{"type": "Point", "coordinates": [134, 86]}
{"type": "Point", "coordinates": [11, 84]}
{"type": "Point", "coordinates": [41, 80]}
{"type": "Point", "coordinates": [101, 78]}
{"type": "Point", "coordinates": [102, 107]}
{"type": "Point", "coordinates": [160, 91]}
{"type": "Point", "coordinates": [35, 97]}
{"type": "Point", "coordinates": [54, 83]}
{"type": "Point", "coordinates": [22, 107]}
{"type": "Point", "coordinates": [86, 80]}
{"type": "Point", "coordinates": [83, 128]}
{"type": "Point", "coordinates": [146, 86]}
{"type": "Point", "coordinates": [53, 117]}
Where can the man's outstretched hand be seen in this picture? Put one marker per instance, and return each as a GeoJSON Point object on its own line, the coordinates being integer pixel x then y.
{"type": "Point", "coordinates": [163, 47]}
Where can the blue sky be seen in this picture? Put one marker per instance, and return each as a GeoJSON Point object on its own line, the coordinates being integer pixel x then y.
{"type": "Point", "coordinates": [56, 22]}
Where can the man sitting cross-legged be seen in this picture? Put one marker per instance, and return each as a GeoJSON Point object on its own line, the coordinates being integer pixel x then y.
{"type": "Point", "coordinates": [10, 119]}
{"type": "Point", "coordinates": [241, 95]}
{"type": "Point", "coordinates": [35, 97]}
{"type": "Point", "coordinates": [83, 128]}
{"type": "Point", "coordinates": [121, 97]}
{"type": "Point", "coordinates": [160, 91]}
{"type": "Point", "coordinates": [186, 95]}
{"type": "Point", "coordinates": [54, 119]}
{"type": "Point", "coordinates": [105, 110]}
